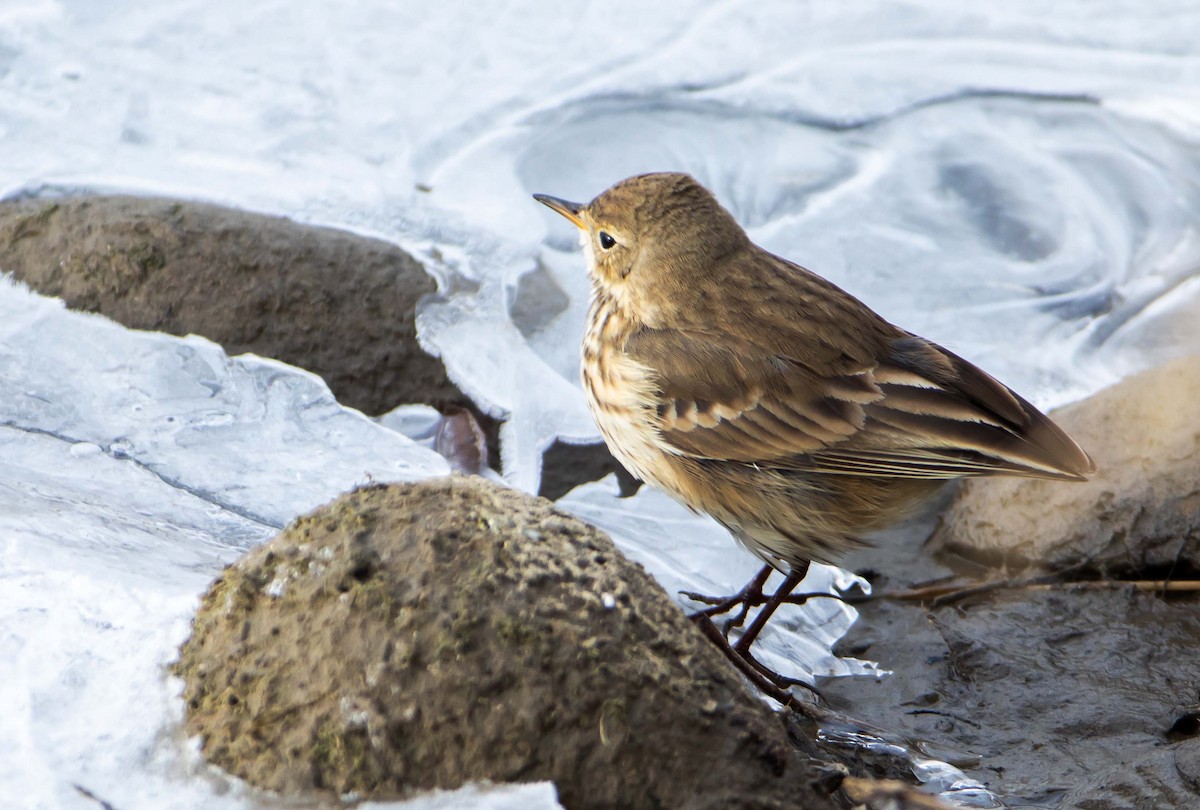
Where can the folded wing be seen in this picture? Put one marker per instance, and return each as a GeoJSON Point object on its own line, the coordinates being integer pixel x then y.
{"type": "Point", "coordinates": [903, 408]}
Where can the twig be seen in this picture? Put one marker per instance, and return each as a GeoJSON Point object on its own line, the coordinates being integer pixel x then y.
{"type": "Point", "coordinates": [87, 794]}
{"type": "Point", "coordinates": [951, 715]}
{"type": "Point", "coordinates": [939, 595]}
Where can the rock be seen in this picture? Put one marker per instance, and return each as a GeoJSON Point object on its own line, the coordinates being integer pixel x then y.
{"type": "Point", "coordinates": [1139, 516]}
{"type": "Point", "coordinates": [337, 304]}
{"type": "Point", "coordinates": [1163, 778]}
{"type": "Point", "coordinates": [1186, 758]}
{"type": "Point", "coordinates": [428, 635]}
{"type": "Point", "coordinates": [566, 466]}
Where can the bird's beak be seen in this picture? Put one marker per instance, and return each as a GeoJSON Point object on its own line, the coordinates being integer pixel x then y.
{"type": "Point", "coordinates": [569, 210]}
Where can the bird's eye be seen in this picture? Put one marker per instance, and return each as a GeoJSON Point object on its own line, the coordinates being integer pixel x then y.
{"type": "Point", "coordinates": [606, 241]}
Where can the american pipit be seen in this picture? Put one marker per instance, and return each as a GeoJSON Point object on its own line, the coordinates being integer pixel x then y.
{"type": "Point", "coordinates": [751, 389]}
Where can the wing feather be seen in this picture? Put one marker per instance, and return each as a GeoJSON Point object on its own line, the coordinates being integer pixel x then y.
{"type": "Point", "coordinates": [913, 410]}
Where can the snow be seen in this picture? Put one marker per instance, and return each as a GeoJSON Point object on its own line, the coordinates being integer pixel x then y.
{"type": "Point", "coordinates": [1018, 182]}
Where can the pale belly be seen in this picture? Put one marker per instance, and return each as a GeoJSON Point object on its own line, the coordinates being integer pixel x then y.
{"type": "Point", "coordinates": [621, 396]}
{"type": "Point", "coordinates": [626, 423]}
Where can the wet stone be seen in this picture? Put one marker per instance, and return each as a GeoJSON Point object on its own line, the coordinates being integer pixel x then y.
{"type": "Point", "coordinates": [1187, 762]}
{"type": "Point", "coordinates": [1164, 778]}
{"type": "Point", "coordinates": [1037, 693]}
{"type": "Point", "coordinates": [565, 466]}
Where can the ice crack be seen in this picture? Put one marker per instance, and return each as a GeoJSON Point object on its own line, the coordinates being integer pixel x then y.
{"type": "Point", "coordinates": [118, 452]}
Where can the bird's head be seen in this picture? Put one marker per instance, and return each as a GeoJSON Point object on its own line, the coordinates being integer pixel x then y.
{"type": "Point", "coordinates": [653, 233]}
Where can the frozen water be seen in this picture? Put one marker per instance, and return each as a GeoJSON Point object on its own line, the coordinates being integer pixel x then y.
{"type": "Point", "coordinates": [183, 412]}
{"type": "Point", "coordinates": [134, 466]}
{"type": "Point", "coordinates": [534, 796]}
{"type": "Point", "coordinates": [1017, 181]}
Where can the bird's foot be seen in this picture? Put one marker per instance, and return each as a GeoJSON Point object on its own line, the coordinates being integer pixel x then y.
{"type": "Point", "coordinates": [768, 680]}
{"type": "Point", "coordinates": [750, 596]}
{"type": "Point", "coordinates": [782, 681]}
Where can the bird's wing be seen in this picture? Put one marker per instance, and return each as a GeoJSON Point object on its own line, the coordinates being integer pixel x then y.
{"type": "Point", "coordinates": [913, 410]}
{"type": "Point", "coordinates": [723, 398]}
{"type": "Point", "coordinates": [941, 417]}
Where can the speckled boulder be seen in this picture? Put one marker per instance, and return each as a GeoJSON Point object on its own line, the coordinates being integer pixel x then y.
{"type": "Point", "coordinates": [427, 635]}
{"type": "Point", "coordinates": [1138, 516]}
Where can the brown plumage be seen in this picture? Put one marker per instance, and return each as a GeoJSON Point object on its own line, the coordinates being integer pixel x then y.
{"type": "Point", "coordinates": [755, 391]}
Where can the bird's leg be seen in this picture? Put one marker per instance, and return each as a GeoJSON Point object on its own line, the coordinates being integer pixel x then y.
{"type": "Point", "coordinates": [781, 681]}
{"type": "Point", "coordinates": [749, 596]}
{"type": "Point", "coordinates": [762, 676]}
{"type": "Point", "coordinates": [782, 595]}
{"type": "Point", "coordinates": [794, 578]}
{"type": "Point", "coordinates": [770, 683]}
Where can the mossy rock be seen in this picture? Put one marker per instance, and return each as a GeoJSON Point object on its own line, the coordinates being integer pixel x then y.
{"type": "Point", "coordinates": [429, 635]}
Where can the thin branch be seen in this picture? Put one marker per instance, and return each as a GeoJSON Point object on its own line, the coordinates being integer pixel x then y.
{"type": "Point", "coordinates": [87, 794]}
{"type": "Point", "coordinates": [939, 595]}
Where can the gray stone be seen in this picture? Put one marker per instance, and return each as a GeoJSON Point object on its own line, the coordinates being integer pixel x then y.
{"type": "Point", "coordinates": [340, 305]}
{"type": "Point", "coordinates": [1152, 781]}
{"type": "Point", "coordinates": [1139, 516]}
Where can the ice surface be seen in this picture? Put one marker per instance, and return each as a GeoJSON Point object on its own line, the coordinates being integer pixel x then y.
{"type": "Point", "coordinates": [1017, 181]}
{"type": "Point", "coordinates": [188, 415]}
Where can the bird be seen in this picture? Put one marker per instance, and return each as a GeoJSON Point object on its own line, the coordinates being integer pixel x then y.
{"type": "Point", "coordinates": [759, 393]}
